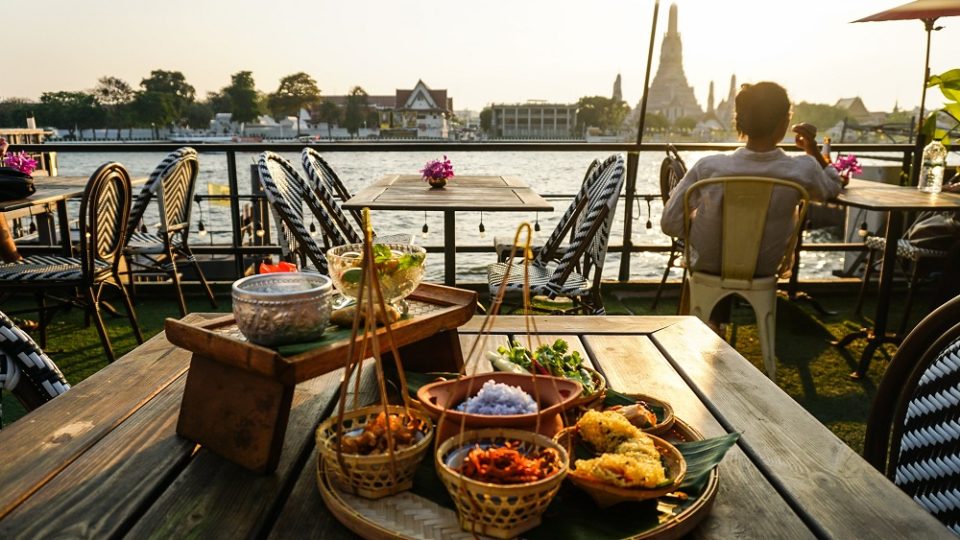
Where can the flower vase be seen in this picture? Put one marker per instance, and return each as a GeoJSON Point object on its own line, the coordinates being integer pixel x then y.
{"type": "Point", "coordinates": [437, 183]}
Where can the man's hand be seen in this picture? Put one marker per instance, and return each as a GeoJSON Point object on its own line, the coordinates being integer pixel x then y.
{"type": "Point", "coordinates": [3, 146]}
{"type": "Point", "coordinates": [806, 139]}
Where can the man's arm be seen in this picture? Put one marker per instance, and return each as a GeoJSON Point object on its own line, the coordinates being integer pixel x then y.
{"type": "Point", "coordinates": [671, 221]}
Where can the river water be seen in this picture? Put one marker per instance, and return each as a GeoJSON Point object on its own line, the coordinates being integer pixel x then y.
{"type": "Point", "coordinates": [545, 172]}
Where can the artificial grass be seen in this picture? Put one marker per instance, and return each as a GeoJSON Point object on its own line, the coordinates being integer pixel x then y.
{"type": "Point", "coordinates": [810, 370]}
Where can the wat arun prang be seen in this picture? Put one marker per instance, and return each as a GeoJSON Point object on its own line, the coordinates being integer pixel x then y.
{"type": "Point", "coordinates": [670, 95]}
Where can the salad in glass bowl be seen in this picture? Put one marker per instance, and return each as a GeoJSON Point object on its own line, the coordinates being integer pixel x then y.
{"type": "Point", "coordinates": [399, 268]}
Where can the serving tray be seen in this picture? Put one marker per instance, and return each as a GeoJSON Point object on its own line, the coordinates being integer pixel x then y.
{"type": "Point", "coordinates": [411, 516]}
{"type": "Point", "coordinates": [238, 394]}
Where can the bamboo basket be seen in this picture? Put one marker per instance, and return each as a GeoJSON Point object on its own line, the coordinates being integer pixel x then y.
{"type": "Point", "coordinates": [371, 476]}
{"type": "Point", "coordinates": [500, 511]}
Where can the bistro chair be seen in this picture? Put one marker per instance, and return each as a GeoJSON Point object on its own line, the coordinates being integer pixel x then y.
{"type": "Point", "coordinates": [287, 193]}
{"type": "Point", "coordinates": [578, 270]}
{"type": "Point", "coordinates": [328, 187]}
{"type": "Point", "coordinates": [25, 370]}
{"type": "Point", "coordinates": [104, 214]}
{"type": "Point", "coordinates": [172, 183]}
{"type": "Point", "coordinates": [552, 247]}
{"type": "Point", "coordinates": [745, 205]}
{"type": "Point", "coordinates": [672, 170]}
{"type": "Point", "coordinates": [912, 433]}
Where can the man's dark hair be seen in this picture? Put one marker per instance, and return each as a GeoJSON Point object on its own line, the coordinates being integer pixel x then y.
{"type": "Point", "coordinates": [760, 108]}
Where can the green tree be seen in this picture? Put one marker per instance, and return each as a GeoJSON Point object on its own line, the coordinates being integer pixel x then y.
{"type": "Point", "coordinates": [655, 122]}
{"type": "Point", "coordinates": [219, 102]}
{"type": "Point", "coordinates": [685, 124]}
{"type": "Point", "coordinates": [15, 111]}
{"type": "Point", "coordinates": [199, 115]}
{"type": "Point", "coordinates": [172, 84]}
{"type": "Point", "coordinates": [115, 96]}
{"type": "Point", "coordinates": [329, 112]}
{"type": "Point", "coordinates": [155, 109]}
{"type": "Point", "coordinates": [820, 115]}
{"type": "Point", "coordinates": [601, 112]}
{"type": "Point", "coordinates": [243, 96]}
{"type": "Point", "coordinates": [295, 92]}
{"type": "Point", "coordinates": [486, 119]}
{"type": "Point", "coordinates": [356, 113]}
{"type": "Point", "coordinates": [76, 110]}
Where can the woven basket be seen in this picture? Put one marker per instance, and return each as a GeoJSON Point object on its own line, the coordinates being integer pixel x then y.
{"type": "Point", "coordinates": [500, 511]}
{"type": "Point", "coordinates": [371, 476]}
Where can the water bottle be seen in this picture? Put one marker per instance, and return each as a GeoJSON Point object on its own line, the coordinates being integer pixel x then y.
{"type": "Point", "coordinates": [931, 172]}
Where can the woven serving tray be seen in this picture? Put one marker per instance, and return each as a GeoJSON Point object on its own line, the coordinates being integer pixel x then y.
{"type": "Point", "coordinates": [410, 516]}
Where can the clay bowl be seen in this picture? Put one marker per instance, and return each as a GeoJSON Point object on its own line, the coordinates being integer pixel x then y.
{"type": "Point", "coordinates": [442, 398]}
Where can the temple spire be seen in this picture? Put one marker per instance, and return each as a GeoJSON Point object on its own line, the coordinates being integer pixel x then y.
{"type": "Point", "coordinates": [617, 91]}
{"type": "Point", "coordinates": [710, 99]}
{"type": "Point", "coordinates": [672, 24]}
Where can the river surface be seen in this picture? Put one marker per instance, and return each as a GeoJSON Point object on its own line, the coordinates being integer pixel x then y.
{"type": "Point", "coordinates": [545, 172]}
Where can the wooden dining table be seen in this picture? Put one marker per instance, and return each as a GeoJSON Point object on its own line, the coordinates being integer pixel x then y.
{"type": "Point", "coordinates": [104, 459]}
{"type": "Point", "coordinates": [896, 202]}
{"type": "Point", "coordinates": [462, 193]}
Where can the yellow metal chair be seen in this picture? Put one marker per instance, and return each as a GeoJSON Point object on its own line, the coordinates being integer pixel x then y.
{"type": "Point", "coordinates": [746, 201]}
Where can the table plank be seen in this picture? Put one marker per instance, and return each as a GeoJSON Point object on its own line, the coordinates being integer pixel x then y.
{"type": "Point", "coordinates": [747, 506]}
{"type": "Point", "coordinates": [40, 445]}
{"type": "Point", "coordinates": [836, 488]}
{"type": "Point", "coordinates": [213, 498]}
{"type": "Point", "coordinates": [120, 473]}
{"type": "Point", "coordinates": [882, 197]}
{"type": "Point", "coordinates": [576, 324]}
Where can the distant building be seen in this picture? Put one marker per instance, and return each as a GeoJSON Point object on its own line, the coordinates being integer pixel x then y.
{"type": "Point", "coordinates": [533, 120]}
{"type": "Point", "coordinates": [728, 107]}
{"type": "Point", "coordinates": [855, 109]}
{"type": "Point", "coordinates": [617, 90]}
{"type": "Point", "coordinates": [417, 112]}
{"type": "Point", "coordinates": [670, 95]}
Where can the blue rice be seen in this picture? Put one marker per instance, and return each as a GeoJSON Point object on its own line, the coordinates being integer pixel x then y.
{"type": "Point", "coordinates": [499, 399]}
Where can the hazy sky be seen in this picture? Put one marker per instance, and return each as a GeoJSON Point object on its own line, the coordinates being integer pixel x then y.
{"type": "Point", "coordinates": [480, 51]}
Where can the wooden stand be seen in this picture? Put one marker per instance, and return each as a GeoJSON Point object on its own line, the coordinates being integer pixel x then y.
{"type": "Point", "coordinates": [238, 395]}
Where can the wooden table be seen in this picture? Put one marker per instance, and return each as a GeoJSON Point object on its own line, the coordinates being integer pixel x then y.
{"type": "Point", "coordinates": [51, 197]}
{"type": "Point", "coordinates": [896, 201]}
{"type": "Point", "coordinates": [103, 460]}
{"type": "Point", "coordinates": [464, 193]}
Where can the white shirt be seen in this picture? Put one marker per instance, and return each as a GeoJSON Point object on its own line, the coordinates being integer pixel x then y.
{"type": "Point", "coordinates": [821, 183]}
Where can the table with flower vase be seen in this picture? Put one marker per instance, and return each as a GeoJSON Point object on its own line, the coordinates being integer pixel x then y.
{"type": "Point", "coordinates": [51, 197]}
{"type": "Point", "coordinates": [462, 193]}
{"type": "Point", "coordinates": [896, 201]}
{"type": "Point", "coordinates": [104, 460]}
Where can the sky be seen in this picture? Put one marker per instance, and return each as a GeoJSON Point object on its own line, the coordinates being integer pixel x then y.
{"type": "Point", "coordinates": [480, 51]}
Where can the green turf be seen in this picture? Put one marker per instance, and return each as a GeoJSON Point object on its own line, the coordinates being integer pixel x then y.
{"type": "Point", "coordinates": [809, 369]}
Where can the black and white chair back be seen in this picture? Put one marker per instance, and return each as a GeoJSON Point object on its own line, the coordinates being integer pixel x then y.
{"type": "Point", "coordinates": [913, 433]}
{"type": "Point", "coordinates": [570, 220]}
{"type": "Point", "coordinates": [329, 186]}
{"type": "Point", "coordinates": [173, 182]}
{"type": "Point", "coordinates": [24, 368]}
{"type": "Point", "coordinates": [288, 192]}
{"type": "Point", "coordinates": [104, 213]}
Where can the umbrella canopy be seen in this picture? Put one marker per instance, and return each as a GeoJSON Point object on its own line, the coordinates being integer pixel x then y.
{"type": "Point", "coordinates": [920, 9]}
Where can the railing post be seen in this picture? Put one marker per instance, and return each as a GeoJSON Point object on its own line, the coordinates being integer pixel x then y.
{"type": "Point", "coordinates": [632, 161]}
{"type": "Point", "coordinates": [235, 211]}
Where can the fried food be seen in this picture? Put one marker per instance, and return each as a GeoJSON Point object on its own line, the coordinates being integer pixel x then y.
{"type": "Point", "coordinates": [604, 431]}
{"type": "Point", "coordinates": [373, 438]}
{"type": "Point", "coordinates": [628, 457]}
{"type": "Point", "coordinates": [639, 414]}
{"type": "Point", "coordinates": [507, 465]}
{"type": "Point", "coordinates": [343, 317]}
{"type": "Point", "coordinates": [623, 470]}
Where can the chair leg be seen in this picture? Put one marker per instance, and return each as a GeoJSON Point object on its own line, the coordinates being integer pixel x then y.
{"type": "Point", "coordinates": [203, 279]}
{"type": "Point", "coordinates": [867, 272]}
{"type": "Point", "coordinates": [93, 308]}
{"type": "Point", "coordinates": [911, 290]}
{"type": "Point", "coordinates": [663, 280]}
{"type": "Point", "coordinates": [131, 313]}
{"type": "Point", "coordinates": [767, 330]}
{"type": "Point", "coordinates": [42, 318]}
{"type": "Point", "coordinates": [175, 274]}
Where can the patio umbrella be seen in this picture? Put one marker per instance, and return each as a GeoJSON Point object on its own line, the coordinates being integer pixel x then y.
{"type": "Point", "coordinates": [927, 11]}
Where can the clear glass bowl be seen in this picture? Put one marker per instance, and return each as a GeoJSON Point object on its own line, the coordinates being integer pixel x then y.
{"type": "Point", "coordinates": [399, 268]}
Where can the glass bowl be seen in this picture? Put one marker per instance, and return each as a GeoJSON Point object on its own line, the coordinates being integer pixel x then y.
{"type": "Point", "coordinates": [399, 268]}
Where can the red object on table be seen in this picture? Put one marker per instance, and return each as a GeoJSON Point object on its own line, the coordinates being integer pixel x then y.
{"type": "Point", "coordinates": [279, 267]}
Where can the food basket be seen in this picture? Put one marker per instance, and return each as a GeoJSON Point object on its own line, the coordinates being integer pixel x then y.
{"type": "Point", "coordinates": [500, 511]}
{"type": "Point", "coordinates": [606, 494]}
{"type": "Point", "coordinates": [371, 476]}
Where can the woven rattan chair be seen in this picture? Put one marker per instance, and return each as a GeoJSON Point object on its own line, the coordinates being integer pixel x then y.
{"type": "Point", "coordinates": [578, 272]}
{"type": "Point", "coordinates": [104, 213]}
{"type": "Point", "coordinates": [25, 370]}
{"type": "Point", "coordinates": [172, 183]}
{"type": "Point", "coordinates": [913, 432]}
{"type": "Point", "coordinates": [672, 170]}
{"type": "Point", "coordinates": [552, 248]}
{"type": "Point", "coordinates": [746, 203]}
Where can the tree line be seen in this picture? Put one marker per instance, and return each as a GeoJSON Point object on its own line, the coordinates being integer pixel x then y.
{"type": "Point", "coordinates": [166, 100]}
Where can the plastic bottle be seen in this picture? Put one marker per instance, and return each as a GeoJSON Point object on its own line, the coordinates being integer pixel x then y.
{"type": "Point", "coordinates": [825, 150]}
{"type": "Point", "coordinates": [931, 172]}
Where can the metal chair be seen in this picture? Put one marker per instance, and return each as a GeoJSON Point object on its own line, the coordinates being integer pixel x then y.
{"type": "Point", "coordinates": [568, 223]}
{"type": "Point", "coordinates": [25, 370]}
{"type": "Point", "coordinates": [579, 269]}
{"type": "Point", "coordinates": [173, 183]}
{"type": "Point", "coordinates": [104, 213]}
{"type": "Point", "coordinates": [746, 201]}
{"type": "Point", "coordinates": [328, 187]}
{"type": "Point", "coordinates": [913, 435]}
{"type": "Point", "coordinates": [672, 170]}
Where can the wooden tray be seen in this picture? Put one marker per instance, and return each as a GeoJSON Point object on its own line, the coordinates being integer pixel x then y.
{"type": "Point", "coordinates": [409, 516]}
{"type": "Point", "coordinates": [238, 394]}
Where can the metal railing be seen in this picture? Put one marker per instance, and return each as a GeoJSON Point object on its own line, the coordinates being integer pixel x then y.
{"type": "Point", "coordinates": [239, 250]}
